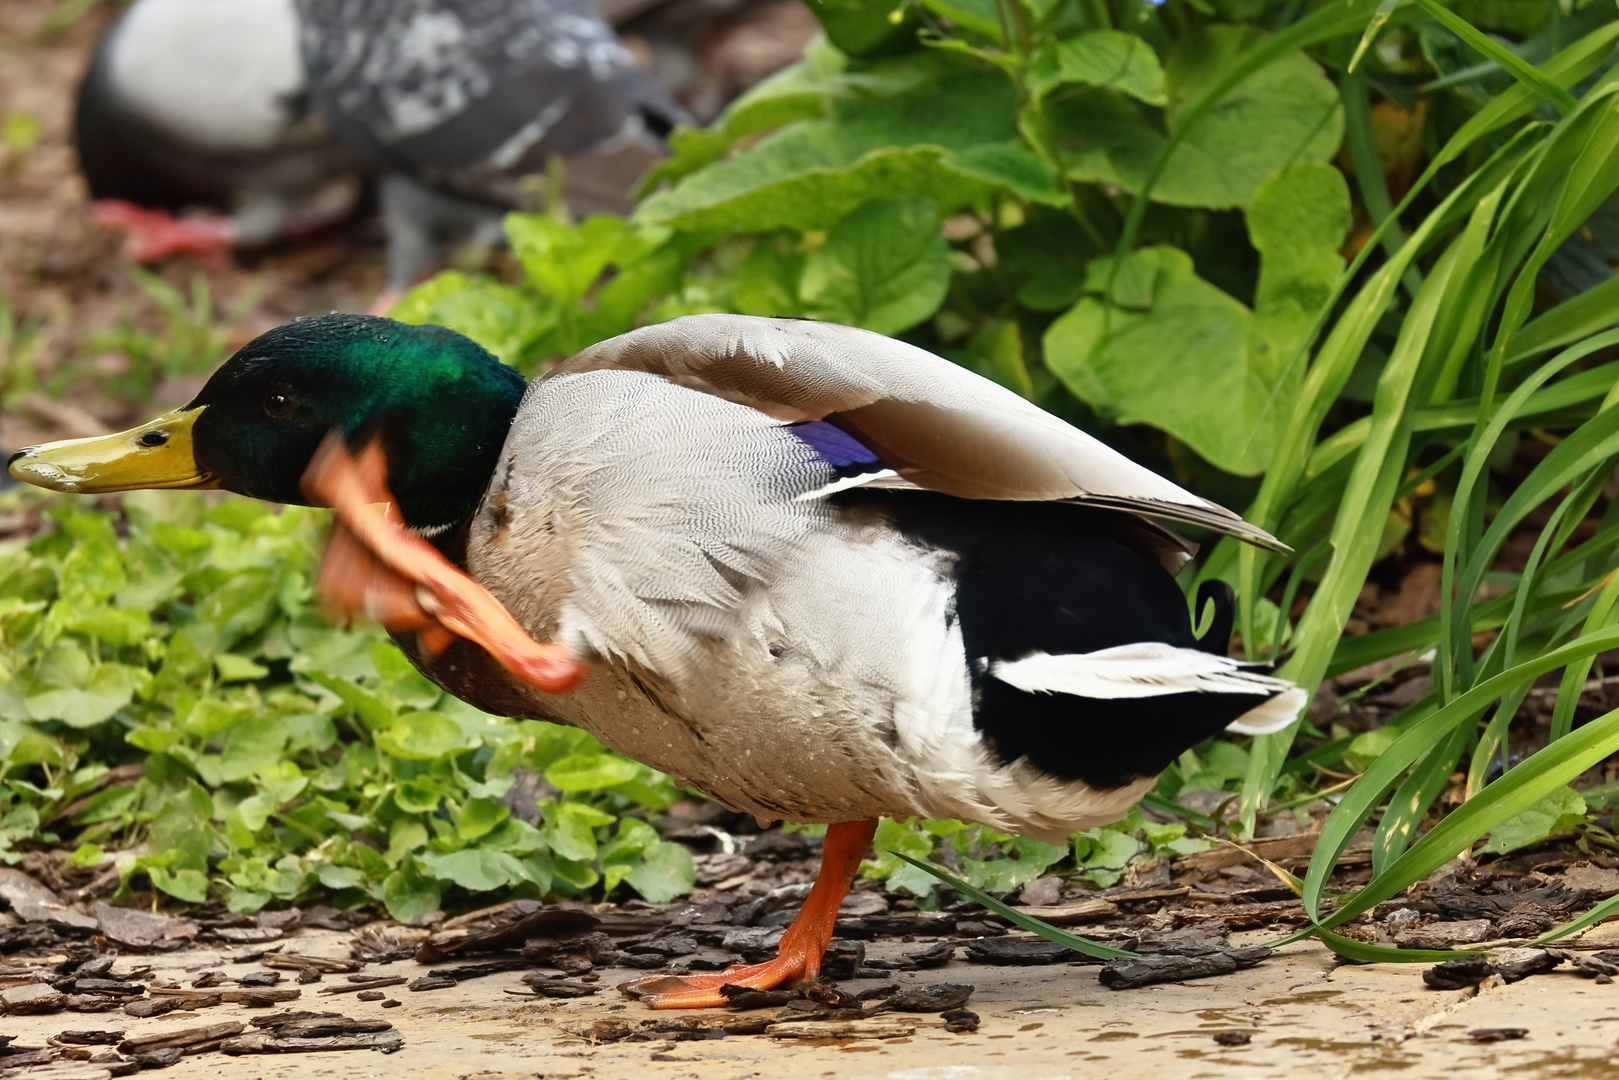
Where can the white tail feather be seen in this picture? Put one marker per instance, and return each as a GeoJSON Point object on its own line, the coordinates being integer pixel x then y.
{"type": "Point", "coordinates": [1154, 669]}
{"type": "Point", "coordinates": [1274, 715]}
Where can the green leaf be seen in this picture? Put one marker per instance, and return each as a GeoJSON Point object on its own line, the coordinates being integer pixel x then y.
{"type": "Point", "coordinates": [100, 695]}
{"type": "Point", "coordinates": [1286, 112]}
{"type": "Point", "coordinates": [587, 772]}
{"type": "Point", "coordinates": [1182, 365]}
{"type": "Point", "coordinates": [253, 745]}
{"type": "Point", "coordinates": [925, 141]}
{"type": "Point", "coordinates": [1559, 813]}
{"type": "Point", "coordinates": [477, 869]}
{"type": "Point", "coordinates": [1297, 221]}
{"type": "Point", "coordinates": [1105, 58]}
{"type": "Point", "coordinates": [423, 736]}
{"type": "Point", "coordinates": [885, 267]}
{"type": "Point", "coordinates": [478, 817]}
{"type": "Point", "coordinates": [664, 873]}
{"type": "Point", "coordinates": [408, 893]}
{"type": "Point", "coordinates": [233, 668]}
{"type": "Point", "coordinates": [569, 829]}
{"type": "Point", "coordinates": [865, 27]}
{"type": "Point", "coordinates": [501, 319]}
{"type": "Point", "coordinates": [188, 885]}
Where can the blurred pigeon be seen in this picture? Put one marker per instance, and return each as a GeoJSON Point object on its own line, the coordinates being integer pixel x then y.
{"type": "Point", "coordinates": [459, 103]}
{"type": "Point", "coordinates": [203, 103]}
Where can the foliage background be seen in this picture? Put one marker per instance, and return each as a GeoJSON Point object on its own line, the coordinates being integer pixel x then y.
{"type": "Point", "coordinates": [1324, 272]}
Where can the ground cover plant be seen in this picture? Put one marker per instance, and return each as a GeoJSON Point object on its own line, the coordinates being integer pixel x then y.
{"type": "Point", "coordinates": [1344, 265]}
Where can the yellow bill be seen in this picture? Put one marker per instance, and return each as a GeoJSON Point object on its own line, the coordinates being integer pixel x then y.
{"type": "Point", "coordinates": [157, 454]}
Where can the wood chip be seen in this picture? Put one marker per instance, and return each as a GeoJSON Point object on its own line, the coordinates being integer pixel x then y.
{"type": "Point", "coordinates": [1017, 951]}
{"type": "Point", "coordinates": [260, 1043]}
{"type": "Point", "coordinates": [363, 982]}
{"type": "Point", "coordinates": [880, 1028]}
{"type": "Point", "coordinates": [35, 903]}
{"type": "Point", "coordinates": [1083, 911]}
{"type": "Point", "coordinates": [937, 997]}
{"type": "Point", "coordinates": [143, 929]}
{"type": "Point", "coordinates": [32, 998]}
{"type": "Point", "coordinates": [157, 1040]}
{"type": "Point", "coordinates": [1146, 970]}
{"type": "Point", "coordinates": [295, 962]}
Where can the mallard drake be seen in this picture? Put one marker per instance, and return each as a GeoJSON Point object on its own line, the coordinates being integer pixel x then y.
{"type": "Point", "coordinates": [814, 572]}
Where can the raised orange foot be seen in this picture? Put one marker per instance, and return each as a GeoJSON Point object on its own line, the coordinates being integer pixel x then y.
{"type": "Point", "coordinates": [802, 946]}
{"type": "Point", "coordinates": [376, 566]}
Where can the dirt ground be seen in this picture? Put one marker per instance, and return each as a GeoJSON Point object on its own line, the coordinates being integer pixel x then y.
{"type": "Point", "coordinates": [1303, 1015]}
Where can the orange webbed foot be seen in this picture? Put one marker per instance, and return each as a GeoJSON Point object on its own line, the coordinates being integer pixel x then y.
{"type": "Point", "coordinates": [802, 946]}
{"type": "Point", "coordinates": [376, 566]}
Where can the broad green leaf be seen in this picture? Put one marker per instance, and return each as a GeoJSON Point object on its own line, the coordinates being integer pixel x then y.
{"type": "Point", "coordinates": [102, 694]}
{"type": "Point", "coordinates": [255, 744]}
{"type": "Point", "coordinates": [587, 772]}
{"type": "Point", "coordinates": [767, 282]}
{"type": "Point", "coordinates": [914, 143]}
{"type": "Point", "coordinates": [866, 27]}
{"type": "Point", "coordinates": [569, 828]}
{"type": "Point", "coordinates": [1182, 365]}
{"type": "Point", "coordinates": [664, 872]}
{"type": "Point", "coordinates": [185, 884]}
{"type": "Point", "coordinates": [1297, 221]}
{"type": "Point", "coordinates": [404, 838]}
{"type": "Point", "coordinates": [1189, 359]}
{"type": "Point", "coordinates": [1558, 813]}
{"type": "Point", "coordinates": [92, 571]}
{"type": "Point", "coordinates": [233, 668]}
{"type": "Point", "coordinates": [885, 267]}
{"type": "Point", "coordinates": [339, 877]}
{"type": "Point", "coordinates": [409, 893]}
{"type": "Point", "coordinates": [478, 816]}
{"type": "Point", "coordinates": [422, 736]}
{"type": "Point", "coordinates": [478, 869]}
{"type": "Point", "coordinates": [1106, 58]}
{"type": "Point", "coordinates": [1286, 112]}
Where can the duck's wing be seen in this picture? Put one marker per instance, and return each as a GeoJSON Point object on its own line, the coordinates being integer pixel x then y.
{"type": "Point", "coordinates": [935, 424]}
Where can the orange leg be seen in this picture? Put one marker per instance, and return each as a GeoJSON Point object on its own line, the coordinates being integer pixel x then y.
{"type": "Point", "coordinates": [802, 946]}
{"type": "Point", "coordinates": [376, 566]}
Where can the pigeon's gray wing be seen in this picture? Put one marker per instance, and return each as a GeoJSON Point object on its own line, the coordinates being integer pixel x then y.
{"type": "Point", "coordinates": [937, 425]}
{"type": "Point", "coordinates": [468, 95]}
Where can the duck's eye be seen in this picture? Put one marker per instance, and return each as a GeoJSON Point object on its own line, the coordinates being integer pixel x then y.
{"type": "Point", "coordinates": [278, 406]}
{"type": "Point", "coordinates": [154, 438]}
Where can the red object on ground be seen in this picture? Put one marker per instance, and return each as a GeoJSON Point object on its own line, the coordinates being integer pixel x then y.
{"type": "Point", "coordinates": [150, 235]}
{"type": "Point", "coordinates": [802, 946]}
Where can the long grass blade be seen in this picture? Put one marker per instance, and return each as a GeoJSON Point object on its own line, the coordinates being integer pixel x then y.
{"type": "Point", "coordinates": [1514, 793]}
{"type": "Point", "coordinates": [1490, 49]}
{"type": "Point", "coordinates": [1017, 918]}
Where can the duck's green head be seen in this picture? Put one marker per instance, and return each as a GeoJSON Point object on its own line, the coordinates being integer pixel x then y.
{"type": "Point", "coordinates": [441, 404]}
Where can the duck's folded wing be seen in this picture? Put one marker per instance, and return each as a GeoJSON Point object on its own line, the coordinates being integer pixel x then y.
{"type": "Point", "coordinates": [937, 425]}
